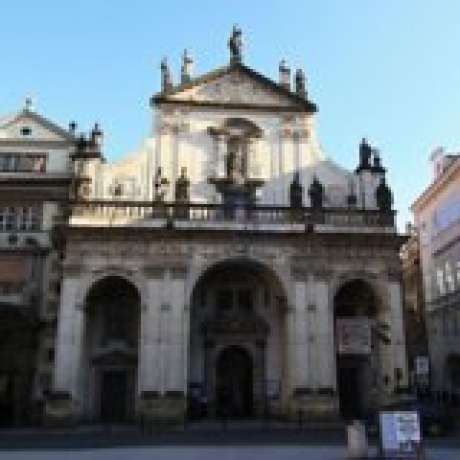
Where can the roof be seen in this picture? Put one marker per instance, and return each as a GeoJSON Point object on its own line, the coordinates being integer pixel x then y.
{"type": "Point", "coordinates": [10, 119]}
{"type": "Point", "coordinates": [302, 103]}
{"type": "Point", "coordinates": [437, 184]}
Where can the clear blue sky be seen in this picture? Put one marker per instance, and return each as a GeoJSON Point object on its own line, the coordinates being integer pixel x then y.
{"type": "Point", "coordinates": [386, 70]}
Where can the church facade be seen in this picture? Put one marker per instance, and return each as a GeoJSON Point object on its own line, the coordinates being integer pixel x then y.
{"type": "Point", "coordinates": [228, 268]}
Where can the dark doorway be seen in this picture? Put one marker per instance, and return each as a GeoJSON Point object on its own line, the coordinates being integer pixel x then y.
{"type": "Point", "coordinates": [234, 383]}
{"type": "Point", "coordinates": [350, 391]}
{"type": "Point", "coordinates": [114, 396]}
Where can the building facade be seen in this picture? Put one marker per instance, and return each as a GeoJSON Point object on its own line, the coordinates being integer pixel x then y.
{"type": "Point", "coordinates": [437, 219]}
{"type": "Point", "coordinates": [228, 265]}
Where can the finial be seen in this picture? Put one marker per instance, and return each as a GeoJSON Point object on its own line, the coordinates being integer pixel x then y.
{"type": "Point", "coordinates": [235, 44]}
{"type": "Point", "coordinates": [72, 127]}
{"type": "Point", "coordinates": [187, 66]}
{"type": "Point", "coordinates": [285, 75]}
{"type": "Point", "coordinates": [300, 87]}
{"type": "Point", "coordinates": [28, 104]}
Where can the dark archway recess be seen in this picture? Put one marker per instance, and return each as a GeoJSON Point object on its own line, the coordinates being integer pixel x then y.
{"type": "Point", "coordinates": [354, 299]}
{"type": "Point", "coordinates": [234, 383]}
{"type": "Point", "coordinates": [112, 329]}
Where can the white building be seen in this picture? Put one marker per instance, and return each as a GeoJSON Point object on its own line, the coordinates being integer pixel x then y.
{"type": "Point", "coordinates": [437, 219]}
{"type": "Point", "coordinates": [228, 262]}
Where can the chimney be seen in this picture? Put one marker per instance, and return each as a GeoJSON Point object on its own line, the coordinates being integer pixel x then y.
{"type": "Point", "coordinates": [285, 75]}
{"type": "Point", "coordinates": [187, 68]}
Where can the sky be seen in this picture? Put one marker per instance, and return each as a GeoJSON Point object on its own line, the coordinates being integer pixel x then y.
{"type": "Point", "coordinates": [385, 70]}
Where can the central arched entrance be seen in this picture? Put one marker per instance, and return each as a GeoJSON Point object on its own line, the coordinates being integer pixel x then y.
{"type": "Point", "coordinates": [237, 341]}
{"type": "Point", "coordinates": [355, 313]}
{"type": "Point", "coordinates": [234, 383]}
{"type": "Point", "coordinates": [111, 348]}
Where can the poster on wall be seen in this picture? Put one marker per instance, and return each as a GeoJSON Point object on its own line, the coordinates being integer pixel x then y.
{"type": "Point", "coordinates": [353, 336]}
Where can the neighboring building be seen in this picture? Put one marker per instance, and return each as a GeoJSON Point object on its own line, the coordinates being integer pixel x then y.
{"type": "Point", "coordinates": [437, 219]}
{"type": "Point", "coordinates": [228, 264]}
{"type": "Point", "coordinates": [414, 313]}
{"type": "Point", "coordinates": [36, 178]}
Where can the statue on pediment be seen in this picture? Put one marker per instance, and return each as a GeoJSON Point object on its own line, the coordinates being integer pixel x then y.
{"type": "Point", "coordinates": [235, 44]}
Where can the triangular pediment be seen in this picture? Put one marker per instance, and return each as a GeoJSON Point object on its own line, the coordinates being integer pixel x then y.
{"type": "Point", "coordinates": [28, 125]}
{"type": "Point", "coordinates": [236, 85]}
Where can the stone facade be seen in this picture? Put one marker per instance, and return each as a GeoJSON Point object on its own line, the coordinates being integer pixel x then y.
{"type": "Point", "coordinates": [209, 273]}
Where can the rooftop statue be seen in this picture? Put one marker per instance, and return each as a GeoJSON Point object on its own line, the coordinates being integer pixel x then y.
{"type": "Point", "coordinates": [383, 196]}
{"type": "Point", "coordinates": [235, 43]}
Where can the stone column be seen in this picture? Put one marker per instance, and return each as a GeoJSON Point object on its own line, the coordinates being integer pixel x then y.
{"type": "Point", "coordinates": [324, 402]}
{"type": "Point", "coordinates": [63, 406]}
{"type": "Point", "coordinates": [397, 330]}
{"type": "Point", "coordinates": [297, 344]}
{"type": "Point", "coordinates": [325, 360]}
{"type": "Point", "coordinates": [149, 352]}
{"type": "Point", "coordinates": [221, 155]}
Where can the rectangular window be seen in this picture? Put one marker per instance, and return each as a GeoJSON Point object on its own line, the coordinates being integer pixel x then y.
{"type": "Point", "coordinates": [20, 218]}
{"type": "Point", "coordinates": [23, 162]}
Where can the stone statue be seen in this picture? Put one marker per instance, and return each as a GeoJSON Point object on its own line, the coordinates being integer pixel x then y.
{"type": "Point", "coordinates": [365, 153]}
{"type": "Point", "coordinates": [296, 192]}
{"type": "Point", "coordinates": [316, 193]}
{"type": "Point", "coordinates": [300, 83]}
{"type": "Point", "coordinates": [182, 190]}
{"type": "Point", "coordinates": [166, 79]}
{"type": "Point", "coordinates": [383, 196]}
{"type": "Point", "coordinates": [160, 186]}
{"type": "Point", "coordinates": [235, 43]}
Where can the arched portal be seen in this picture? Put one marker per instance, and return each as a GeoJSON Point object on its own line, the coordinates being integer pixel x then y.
{"type": "Point", "coordinates": [237, 322]}
{"type": "Point", "coordinates": [111, 349]}
{"type": "Point", "coordinates": [234, 383]}
{"type": "Point", "coordinates": [355, 312]}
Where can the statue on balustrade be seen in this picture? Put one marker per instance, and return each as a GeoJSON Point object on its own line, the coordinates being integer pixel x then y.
{"type": "Point", "coordinates": [384, 196]}
{"type": "Point", "coordinates": [316, 193]}
{"type": "Point", "coordinates": [182, 190]}
{"type": "Point", "coordinates": [296, 192]}
{"type": "Point", "coordinates": [160, 186]}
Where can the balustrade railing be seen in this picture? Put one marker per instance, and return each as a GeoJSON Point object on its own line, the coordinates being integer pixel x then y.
{"type": "Point", "coordinates": [197, 212]}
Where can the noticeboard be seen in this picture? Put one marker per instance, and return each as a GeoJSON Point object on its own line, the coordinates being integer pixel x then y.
{"type": "Point", "coordinates": [400, 434]}
{"type": "Point", "coordinates": [353, 336]}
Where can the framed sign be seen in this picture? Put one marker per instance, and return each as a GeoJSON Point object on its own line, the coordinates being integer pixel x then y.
{"type": "Point", "coordinates": [353, 336]}
{"type": "Point", "coordinates": [273, 389]}
{"type": "Point", "coordinates": [400, 434]}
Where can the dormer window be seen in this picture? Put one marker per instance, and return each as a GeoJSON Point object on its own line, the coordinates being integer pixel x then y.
{"type": "Point", "coordinates": [26, 131]}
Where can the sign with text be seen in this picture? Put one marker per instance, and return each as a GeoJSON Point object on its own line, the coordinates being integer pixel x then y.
{"type": "Point", "coordinates": [400, 434]}
{"type": "Point", "coordinates": [354, 336]}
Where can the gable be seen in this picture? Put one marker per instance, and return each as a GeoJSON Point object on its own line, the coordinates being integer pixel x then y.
{"type": "Point", "coordinates": [236, 86]}
{"type": "Point", "coordinates": [29, 126]}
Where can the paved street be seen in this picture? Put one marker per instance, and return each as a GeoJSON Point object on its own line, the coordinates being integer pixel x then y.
{"type": "Point", "coordinates": [204, 453]}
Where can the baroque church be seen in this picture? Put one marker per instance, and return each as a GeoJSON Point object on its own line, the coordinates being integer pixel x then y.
{"type": "Point", "coordinates": [227, 268]}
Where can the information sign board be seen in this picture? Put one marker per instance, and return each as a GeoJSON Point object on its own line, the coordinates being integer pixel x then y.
{"type": "Point", "coordinates": [353, 336]}
{"type": "Point", "coordinates": [400, 435]}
